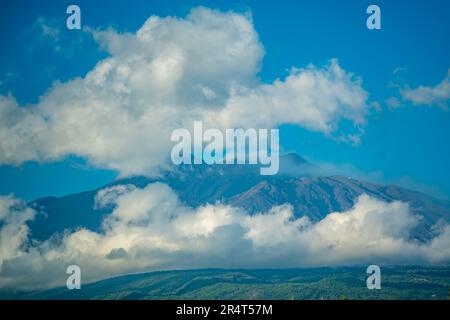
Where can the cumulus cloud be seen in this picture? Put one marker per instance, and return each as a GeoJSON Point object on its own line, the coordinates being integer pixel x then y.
{"type": "Point", "coordinates": [150, 229]}
{"type": "Point", "coordinates": [438, 95]}
{"type": "Point", "coordinates": [315, 98]}
{"type": "Point", "coordinates": [167, 74]}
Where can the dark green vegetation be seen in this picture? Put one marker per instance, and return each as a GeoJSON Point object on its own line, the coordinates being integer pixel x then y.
{"type": "Point", "coordinates": [317, 283]}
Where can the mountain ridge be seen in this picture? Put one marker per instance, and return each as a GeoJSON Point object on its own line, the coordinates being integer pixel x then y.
{"type": "Point", "coordinates": [242, 186]}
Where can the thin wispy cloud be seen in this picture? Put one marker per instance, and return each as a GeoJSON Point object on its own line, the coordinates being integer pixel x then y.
{"type": "Point", "coordinates": [438, 95]}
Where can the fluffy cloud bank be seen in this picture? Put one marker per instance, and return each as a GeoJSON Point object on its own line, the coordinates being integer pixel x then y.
{"type": "Point", "coordinates": [170, 72]}
{"type": "Point", "coordinates": [149, 229]}
{"type": "Point", "coordinates": [438, 95]}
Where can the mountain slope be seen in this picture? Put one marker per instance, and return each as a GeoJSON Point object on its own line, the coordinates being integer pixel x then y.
{"type": "Point", "coordinates": [242, 186]}
{"type": "Point", "coordinates": [316, 283]}
{"type": "Point", "coordinates": [318, 196]}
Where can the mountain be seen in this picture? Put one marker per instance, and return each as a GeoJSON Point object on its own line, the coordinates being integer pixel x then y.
{"type": "Point", "coordinates": [316, 197]}
{"type": "Point", "coordinates": [316, 283]}
{"type": "Point", "coordinates": [243, 186]}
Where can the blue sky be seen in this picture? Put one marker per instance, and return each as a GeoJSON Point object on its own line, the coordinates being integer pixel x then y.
{"type": "Point", "coordinates": [406, 145]}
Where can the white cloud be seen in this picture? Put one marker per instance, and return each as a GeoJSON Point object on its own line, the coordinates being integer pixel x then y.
{"type": "Point", "coordinates": [149, 229]}
{"type": "Point", "coordinates": [438, 95]}
{"type": "Point", "coordinates": [170, 72]}
{"type": "Point", "coordinates": [13, 230]}
{"type": "Point", "coordinates": [315, 98]}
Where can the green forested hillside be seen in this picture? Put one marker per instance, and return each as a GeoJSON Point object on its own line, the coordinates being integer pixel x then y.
{"type": "Point", "coordinates": [318, 283]}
